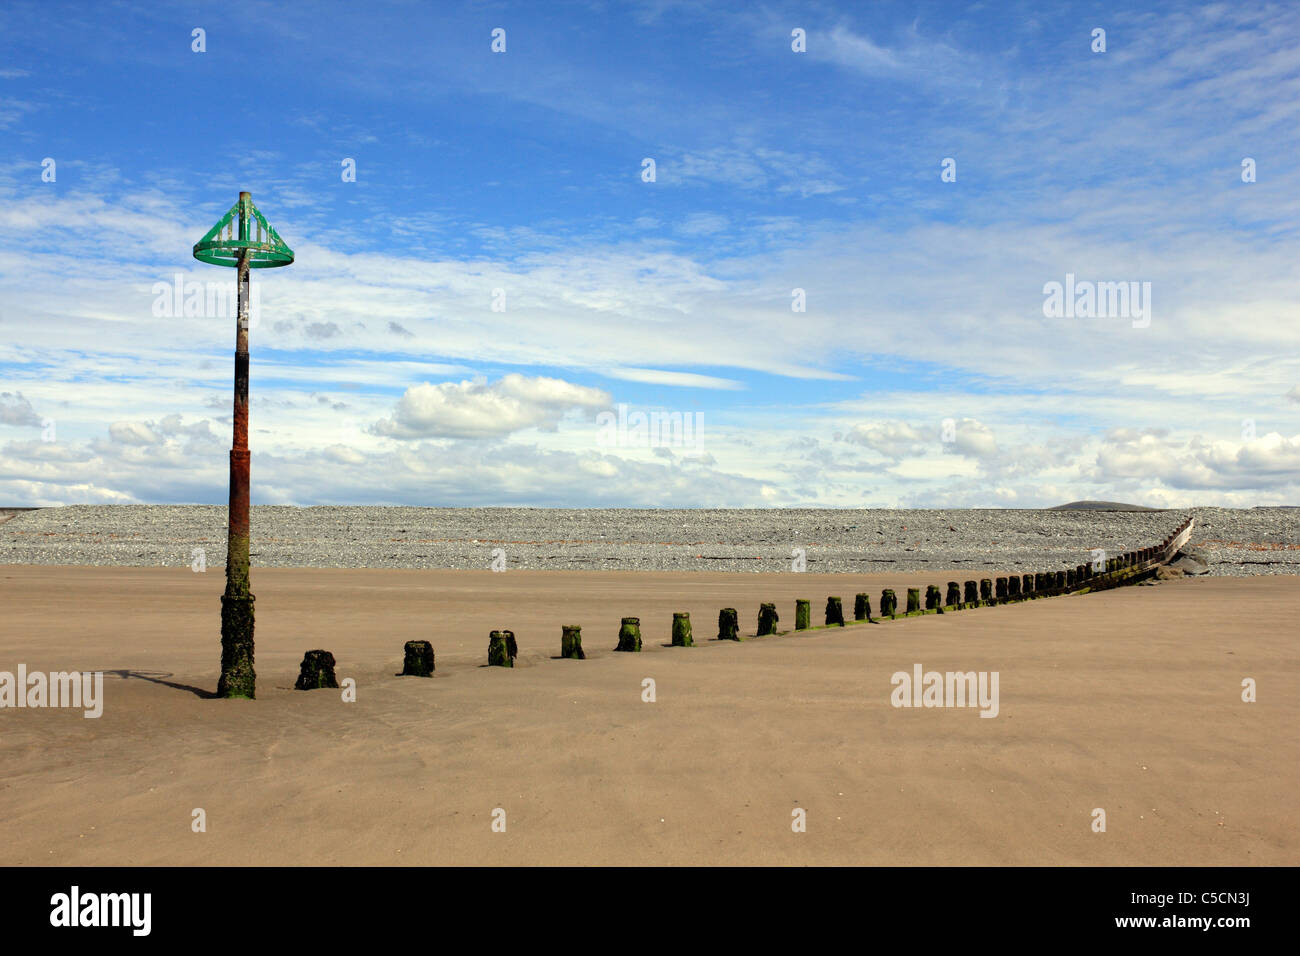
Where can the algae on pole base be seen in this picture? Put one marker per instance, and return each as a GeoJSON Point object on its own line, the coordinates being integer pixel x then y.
{"type": "Point", "coordinates": [571, 642]}
{"type": "Point", "coordinates": [953, 597]}
{"type": "Point", "coordinates": [913, 600]}
{"type": "Point", "coordinates": [728, 624]}
{"type": "Point", "coordinates": [499, 649]}
{"type": "Point", "coordinates": [986, 590]}
{"type": "Point", "coordinates": [767, 618]}
{"type": "Point", "coordinates": [802, 614]}
{"type": "Point", "coordinates": [629, 635]}
{"type": "Point", "coordinates": [834, 612]}
{"type": "Point", "coordinates": [417, 659]}
{"type": "Point", "coordinates": [888, 603]}
{"type": "Point", "coordinates": [862, 608]}
{"type": "Point", "coordinates": [682, 629]}
{"type": "Point", "coordinates": [238, 679]}
{"type": "Point", "coordinates": [316, 671]}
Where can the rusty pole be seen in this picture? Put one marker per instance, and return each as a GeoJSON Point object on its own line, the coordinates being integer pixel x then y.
{"type": "Point", "coordinates": [237, 676]}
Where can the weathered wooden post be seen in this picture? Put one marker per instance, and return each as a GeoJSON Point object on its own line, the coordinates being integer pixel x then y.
{"type": "Point", "coordinates": [417, 659]}
{"type": "Point", "coordinates": [953, 597]}
{"type": "Point", "coordinates": [682, 629]}
{"type": "Point", "coordinates": [888, 603]}
{"type": "Point", "coordinates": [629, 635]}
{"type": "Point", "coordinates": [728, 624]}
{"type": "Point", "coordinates": [802, 614]}
{"type": "Point", "coordinates": [986, 590]}
{"type": "Point", "coordinates": [1027, 585]}
{"type": "Point", "coordinates": [913, 600]}
{"type": "Point", "coordinates": [231, 243]}
{"type": "Point", "coordinates": [571, 642]}
{"type": "Point", "coordinates": [501, 649]}
{"type": "Point", "coordinates": [972, 597]}
{"type": "Point", "coordinates": [767, 618]}
{"type": "Point", "coordinates": [1060, 580]}
{"type": "Point", "coordinates": [1000, 589]}
{"type": "Point", "coordinates": [1013, 588]}
{"type": "Point", "coordinates": [316, 671]}
{"type": "Point", "coordinates": [932, 597]}
{"type": "Point", "coordinates": [834, 612]}
{"type": "Point", "coordinates": [862, 608]}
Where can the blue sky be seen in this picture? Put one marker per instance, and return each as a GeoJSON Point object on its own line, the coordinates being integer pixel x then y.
{"type": "Point", "coordinates": [922, 372]}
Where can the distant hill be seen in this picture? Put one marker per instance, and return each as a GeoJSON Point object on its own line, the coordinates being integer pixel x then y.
{"type": "Point", "coordinates": [1100, 506]}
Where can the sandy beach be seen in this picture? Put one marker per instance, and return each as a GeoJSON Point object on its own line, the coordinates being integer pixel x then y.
{"type": "Point", "coordinates": [1127, 700]}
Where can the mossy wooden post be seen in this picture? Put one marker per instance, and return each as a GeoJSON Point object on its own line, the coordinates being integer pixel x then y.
{"type": "Point", "coordinates": [834, 612]}
{"type": "Point", "coordinates": [417, 659]}
{"type": "Point", "coordinates": [888, 603]}
{"type": "Point", "coordinates": [861, 608]}
{"type": "Point", "coordinates": [1069, 579]}
{"type": "Point", "coordinates": [953, 597]}
{"type": "Point", "coordinates": [767, 618]}
{"type": "Point", "coordinates": [972, 594]}
{"type": "Point", "coordinates": [682, 629]}
{"type": "Point", "coordinates": [986, 590]}
{"type": "Point", "coordinates": [629, 635]}
{"type": "Point", "coordinates": [499, 650]}
{"type": "Point", "coordinates": [802, 614]}
{"type": "Point", "coordinates": [1027, 585]}
{"type": "Point", "coordinates": [1013, 587]}
{"type": "Point", "coordinates": [932, 597]}
{"type": "Point", "coordinates": [728, 624]}
{"type": "Point", "coordinates": [571, 642]}
{"type": "Point", "coordinates": [1000, 589]}
{"type": "Point", "coordinates": [1060, 580]}
{"type": "Point", "coordinates": [913, 600]}
{"type": "Point", "coordinates": [1040, 581]}
{"type": "Point", "coordinates": [316, 671]}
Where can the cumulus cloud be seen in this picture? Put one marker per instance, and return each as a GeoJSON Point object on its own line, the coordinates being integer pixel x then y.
{"type": "Point", "coordinates": [973, 439]}
{"type": "Point", "coordinates": [133, 433]}
{"type": "Point", "coordinates": [16, 410]}
{"type": "Point", "coordinates": [894, 440]}
{"type": "Point", "coordinates": [487, 410]}
{"type": "Point", "coordinates": [158, 433]}
{"type": "Point", "coordinates": [1270, 461]}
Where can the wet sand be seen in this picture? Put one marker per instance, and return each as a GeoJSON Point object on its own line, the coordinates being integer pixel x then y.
{"type": "Point", "coordinates": [1127, 700]}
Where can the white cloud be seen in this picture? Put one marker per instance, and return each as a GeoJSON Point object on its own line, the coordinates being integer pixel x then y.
{"type": "Point", "coordinates": [481, 410]}
{"type": "Point", "coordinates": [894, 440]}
{"type": "Point", "coordinates": [1271, 461]}
{"type": "Point", "coordinates": [17, 410]}
{"type": "Point", "coordinates": [133, 433]}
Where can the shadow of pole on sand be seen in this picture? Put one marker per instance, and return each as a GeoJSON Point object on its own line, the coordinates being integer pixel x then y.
{"type": "Point", "coordinates": [158, 677]}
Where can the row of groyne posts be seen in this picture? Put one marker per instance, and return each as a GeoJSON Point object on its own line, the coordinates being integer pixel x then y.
{"type": "Point", "coordinates": [1098, 575]}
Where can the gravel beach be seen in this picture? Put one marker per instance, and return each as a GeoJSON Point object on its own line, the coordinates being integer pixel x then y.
{"type": "Point", "coordinates": [1234, 542]}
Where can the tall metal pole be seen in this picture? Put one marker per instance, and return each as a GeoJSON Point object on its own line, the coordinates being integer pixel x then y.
{"type": "Point", "coordinates": [237, 676]}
